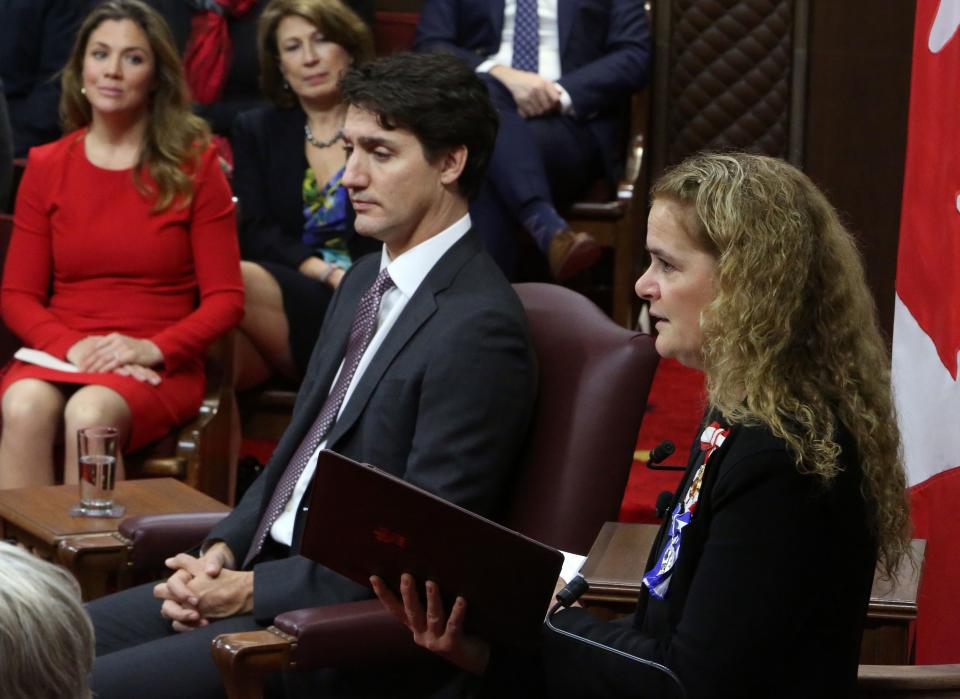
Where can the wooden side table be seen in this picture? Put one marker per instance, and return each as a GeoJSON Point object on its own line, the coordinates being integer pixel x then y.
{"type": "Point", "coordinates": [39, 518]}
{"type": "Point", "coordinates": [614, 570]}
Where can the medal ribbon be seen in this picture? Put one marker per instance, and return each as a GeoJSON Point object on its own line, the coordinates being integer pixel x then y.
{"type": "Point", "coordinates": [657, 579]}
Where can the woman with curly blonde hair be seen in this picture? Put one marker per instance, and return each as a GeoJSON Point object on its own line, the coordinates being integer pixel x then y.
{"type": "Point", "coordinates": [758, 583]}
{"type": "Point", "coordinates": [124, 262]}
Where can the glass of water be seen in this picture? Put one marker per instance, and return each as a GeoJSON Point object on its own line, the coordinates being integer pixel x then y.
{"type": "Point", "coordinates": [97, 452]}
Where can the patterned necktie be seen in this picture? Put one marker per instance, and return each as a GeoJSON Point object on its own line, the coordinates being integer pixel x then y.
{"type": "Point", "coordinates": [526, 36]}
{"type": "Point", "coordinates": [364, 325]}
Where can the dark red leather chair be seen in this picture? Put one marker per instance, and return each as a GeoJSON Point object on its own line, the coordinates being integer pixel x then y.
{"type": "Point", "coordinates": [593, 385]}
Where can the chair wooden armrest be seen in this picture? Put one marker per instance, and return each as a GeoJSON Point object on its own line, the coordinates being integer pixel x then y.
{"type": "Point", "coordinates": [632, 169]}
{"type": "Point", "coordinates": [204, 456]}
{"type": "Point", "coordinates": [908, 681]}
{"type": "Point", "coordinates": [339, 635]}
{"type": "Point", "coordinates": [244, 659]}
{"type": "Point", "coordinates": [154, 538]}
{"type": "Point", "coordinates": [599, 210]}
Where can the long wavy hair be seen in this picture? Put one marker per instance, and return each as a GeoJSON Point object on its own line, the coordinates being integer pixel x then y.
{"type": "Point", "coordinates": [791, 340]}
{"type": "Point", "coordinates": [174, 137]}
{"type": "Point", "coordinates": [339, 24]}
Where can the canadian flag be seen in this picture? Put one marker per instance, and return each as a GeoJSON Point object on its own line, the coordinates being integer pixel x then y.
{"type": "Point", "coordinates": [926, 335]}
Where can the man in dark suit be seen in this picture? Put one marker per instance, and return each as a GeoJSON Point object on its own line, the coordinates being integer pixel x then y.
{"type": "Point", "coordinates": [423, 368]}
{"type": "Point", "coordinates": [561, 73]}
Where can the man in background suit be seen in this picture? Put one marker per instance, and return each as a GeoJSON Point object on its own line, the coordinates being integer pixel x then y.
{"type": "Point", "coordinates": [561, 73]}
{"type": "Point", "coordinates": [423, 368]}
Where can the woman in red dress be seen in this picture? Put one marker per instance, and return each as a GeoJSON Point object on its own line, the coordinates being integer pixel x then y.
{"type": "Point", "coordinates": [123, 260]}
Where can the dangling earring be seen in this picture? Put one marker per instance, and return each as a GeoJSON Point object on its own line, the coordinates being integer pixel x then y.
{"type": "Point", "coordinates": [286, 86]}
{"type": "Point", "coordinates": [83, 91]}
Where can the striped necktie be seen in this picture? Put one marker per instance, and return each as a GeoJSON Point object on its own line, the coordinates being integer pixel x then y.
{"type": "Point", "coordinates": [364, 326]}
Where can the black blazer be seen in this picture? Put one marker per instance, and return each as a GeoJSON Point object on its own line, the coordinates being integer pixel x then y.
{"type": "Point", "coordinates": [767, 599]}
{"type": "Point", "coordinates": [445, 404]}
{"type": "Point", "coordinates": [269, 163]}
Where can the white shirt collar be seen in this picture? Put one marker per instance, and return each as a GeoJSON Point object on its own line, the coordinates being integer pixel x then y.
{"type": "Point", "coordinates": [409, 269]}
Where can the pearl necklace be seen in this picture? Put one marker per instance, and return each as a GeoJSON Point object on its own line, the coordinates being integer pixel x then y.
{"type": "Point", "coordinates": [312, 140]}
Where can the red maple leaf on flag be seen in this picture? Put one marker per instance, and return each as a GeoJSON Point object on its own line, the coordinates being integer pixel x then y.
{"type": "Point", "coordinates": [928, 280]}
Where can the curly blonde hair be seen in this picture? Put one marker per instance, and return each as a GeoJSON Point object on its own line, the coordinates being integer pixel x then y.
{"type": "Point", "coordinates": [175, 137]}
{"type": "Point", "coordinates": [791, 339]}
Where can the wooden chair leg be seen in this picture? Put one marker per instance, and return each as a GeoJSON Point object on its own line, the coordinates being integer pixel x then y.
{"type": "Point", "coordinates": [245, 659]}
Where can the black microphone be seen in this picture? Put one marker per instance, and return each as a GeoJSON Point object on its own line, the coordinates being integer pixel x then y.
{"type": "Point", "coordinates": [660, 452]}
{"type": "Point", "coordinates": [571, 592]}
{"type": "Point", "coordinates": [663, 504]}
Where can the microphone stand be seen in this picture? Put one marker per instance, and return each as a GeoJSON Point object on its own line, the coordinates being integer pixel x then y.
{"type": "Point", "coordinates": [570, 594]}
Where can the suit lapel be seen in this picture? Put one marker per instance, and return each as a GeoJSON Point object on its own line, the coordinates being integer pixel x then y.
{"type": "Point", "coordinates": [496, 10]}
{"type": "Point", "coordinates": [418, 310]}
{"type": "Point", "coordinates": [414, 316]}
{"type": "Point", "coordinates": [323, 369]}
{"type": "Point", "coordinates": [565, 14]}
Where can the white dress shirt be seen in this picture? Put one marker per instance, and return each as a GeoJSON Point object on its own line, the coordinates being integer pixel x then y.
{"type": "Point", "coordinates": [549, 53]}
{"type": "Point", "coordinates": [407, 271]}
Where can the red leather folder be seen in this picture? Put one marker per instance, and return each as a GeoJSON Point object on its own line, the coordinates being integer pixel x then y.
{"type": "Point", "coordinates": [363, 521]}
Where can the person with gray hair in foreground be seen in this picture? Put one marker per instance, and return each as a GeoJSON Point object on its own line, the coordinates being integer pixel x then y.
{"type": "Point", "coordinates": [46, 639]}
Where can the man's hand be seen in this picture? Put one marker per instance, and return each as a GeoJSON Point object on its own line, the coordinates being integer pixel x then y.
{"type": "Point", "coordinates": [183, 604]}
{"type": "Point", "coordinates": [180, 604]}
{"type": "Point", "coordinates": [228, 594]}
{"type": "Point", "coordinates": [533, 94]}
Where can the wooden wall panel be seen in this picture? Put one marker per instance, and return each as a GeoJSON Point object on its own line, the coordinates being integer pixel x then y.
{"type": "Point", "coordinates": [858, 93]}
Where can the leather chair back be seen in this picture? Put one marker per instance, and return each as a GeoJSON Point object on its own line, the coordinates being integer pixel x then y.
{"type": "Point", "coordinates": [593, 385]}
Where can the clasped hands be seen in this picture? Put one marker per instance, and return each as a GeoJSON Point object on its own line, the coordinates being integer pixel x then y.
{"type": "Point", "coordinates": [204, 588]}
{"type": "Point", "coordinates": [121, 354]}
{"type": "Point", "coordinates": [533, 94]}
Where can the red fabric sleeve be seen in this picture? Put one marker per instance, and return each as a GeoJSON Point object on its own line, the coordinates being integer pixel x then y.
{"type": "Point", "coordinates": [216, 259]}
{"type": "Point", "coordinates": [28, 268]}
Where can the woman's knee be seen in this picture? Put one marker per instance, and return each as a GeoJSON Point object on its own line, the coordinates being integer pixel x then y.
{"type": "Point", "coordinates": [32, 405]}
{"type": "Point", "coordinates": [96, 405]}
{"type": "Point", "coordinates": [256, 279]}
